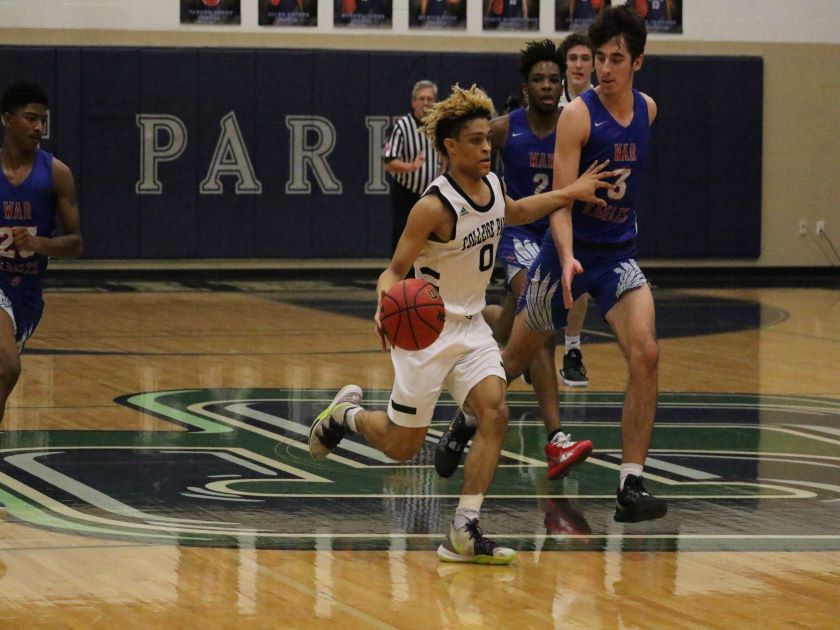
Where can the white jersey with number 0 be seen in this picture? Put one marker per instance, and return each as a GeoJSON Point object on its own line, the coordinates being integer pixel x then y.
{"type": "Point", "coordinates": [461, 268]}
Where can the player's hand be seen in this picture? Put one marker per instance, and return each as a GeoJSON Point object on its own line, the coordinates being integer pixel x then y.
{"type": "Point", "coordinates": [591, 181]}
{"type": "Point", "coordinates": [570, 270]}
{"type": "Point", "coordinates": [418, 161]}
{"type": "Point", "coordinates": [25, 241]}
{"type": "Point", "coordinates": [377, 329]}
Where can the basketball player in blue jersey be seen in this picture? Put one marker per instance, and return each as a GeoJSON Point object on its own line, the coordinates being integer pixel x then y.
{"type": "Point", "coordinates": [525, 138]}
{"type": "Point", "coordinates": [451, 238]}
{"type": "Point", "coordinates": [612, 122]}
{"type": "Point", "coordinates": [35, 189]}
{"type": "Point", "coordinates": [598, 253]}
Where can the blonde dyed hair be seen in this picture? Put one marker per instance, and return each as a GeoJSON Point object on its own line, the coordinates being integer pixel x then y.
{"type": "Point", "coordinates": [446, 118]}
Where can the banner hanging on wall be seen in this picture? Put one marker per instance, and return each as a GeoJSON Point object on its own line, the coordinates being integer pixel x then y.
{"type": "Point", "coordinates": [661, 16]}
{"type": "Point", "coordinates": [288, 12]}
{"type": "Point", "coordinates": [362, 13]}
{"type": "Point", "coordinates": [437, 14]}
{"type": "Point", "coordinates": [513, 15]}
{"type": "Point", "coordinates": [210, 12]}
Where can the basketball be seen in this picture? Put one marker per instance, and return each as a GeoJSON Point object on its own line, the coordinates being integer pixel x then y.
{"type": "Point", "coordinates": [412, 314]}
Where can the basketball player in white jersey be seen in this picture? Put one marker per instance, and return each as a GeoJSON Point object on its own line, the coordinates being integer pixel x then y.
{"type": "Point", "coordinates": [451, 238]}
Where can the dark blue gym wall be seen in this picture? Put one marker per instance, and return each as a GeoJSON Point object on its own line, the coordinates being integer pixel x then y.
{"type": "Point", "coordinates": [702, 195]}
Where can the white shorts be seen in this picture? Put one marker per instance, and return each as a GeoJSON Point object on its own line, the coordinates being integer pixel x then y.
{"type": "Point", "coordinates": [463, 356]}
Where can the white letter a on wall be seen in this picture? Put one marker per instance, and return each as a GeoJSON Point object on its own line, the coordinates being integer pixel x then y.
{"type": "Point", "coordinates": [231, 158]}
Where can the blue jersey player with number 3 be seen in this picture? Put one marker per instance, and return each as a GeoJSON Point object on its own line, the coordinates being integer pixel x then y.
{"type": "Point", "coordinates": [598, 254]}
{"type": "Point", "coordinates": [35, 190]}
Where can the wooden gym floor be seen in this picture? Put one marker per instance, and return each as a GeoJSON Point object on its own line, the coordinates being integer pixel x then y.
{"type": "Point", "coordinates": [154, 472]}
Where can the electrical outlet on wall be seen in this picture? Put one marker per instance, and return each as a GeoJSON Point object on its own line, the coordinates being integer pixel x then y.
{"type": "Point", "coordinates": [819, 226]}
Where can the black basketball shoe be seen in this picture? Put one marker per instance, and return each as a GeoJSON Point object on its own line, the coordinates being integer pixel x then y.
{"type": "Point", "coordinates": [633, 503]}
{"type": "Point", "coordinates": [574, 372]}
{"type": "Point", "coordinates": [451, 445]}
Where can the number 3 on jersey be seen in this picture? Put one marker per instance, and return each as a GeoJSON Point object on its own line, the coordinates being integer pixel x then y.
{"type": "Point", "coordinates": [620, 185]}
{"type": "Point", "coordinates": [7, 243]}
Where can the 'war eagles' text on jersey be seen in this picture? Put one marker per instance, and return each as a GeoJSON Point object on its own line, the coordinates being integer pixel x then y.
{"type": "Point", "coordinates": [461, 268]}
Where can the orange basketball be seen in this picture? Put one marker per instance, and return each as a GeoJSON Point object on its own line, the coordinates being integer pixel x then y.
{"type": "Point", "coordinates": [412, 314]}
{"type": "Point", "coordinates": [597, 4]}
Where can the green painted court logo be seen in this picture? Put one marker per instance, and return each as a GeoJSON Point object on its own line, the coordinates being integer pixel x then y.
{"type": "Point", "coordinates": [739, 472]}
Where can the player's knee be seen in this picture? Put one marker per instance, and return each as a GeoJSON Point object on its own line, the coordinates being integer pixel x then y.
{"type": "Point", "coordinates": [401, 452]}
{"type": "Point", "coordinates": [403, 446]}
{"type": "Point", "coordinates": [646, 355]}
{"type": "Point", "coordinates": [493, 420]}
{"type": "Point", "coordinates": [514, 364]}
{"type": "Point", "coordinates": [9, 374]}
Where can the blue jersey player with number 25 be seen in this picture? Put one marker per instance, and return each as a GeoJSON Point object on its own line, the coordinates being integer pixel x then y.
{"type": "Point", "coordinates": [35, 190]}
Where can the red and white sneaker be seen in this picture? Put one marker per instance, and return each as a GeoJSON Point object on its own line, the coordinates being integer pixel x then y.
{"type": "Point", "coordinates": [563, 454]}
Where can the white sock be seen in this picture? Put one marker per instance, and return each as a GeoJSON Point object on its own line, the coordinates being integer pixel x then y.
{"type": "Point", "coordinates": [350, 418]}
{"type": "Point", "coordinates": [572, 343]}
{"type": "Point", "coordinates": [629, 469]}
{"type": "Point", "coordinates": [470, 420]}
{"type": "Point", "coordinates": [468, 509]}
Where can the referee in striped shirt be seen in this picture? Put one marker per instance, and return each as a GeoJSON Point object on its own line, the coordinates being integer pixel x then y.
{"type": "Point", "coordinates": [411, 158]}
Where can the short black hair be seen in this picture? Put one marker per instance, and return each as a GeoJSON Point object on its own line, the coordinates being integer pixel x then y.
{"type": "Point", "coordinates": [616, 21]}
{"type": "Point", "coordinates": [535, 52]}
{"type": "Point", "coordinates": [575, 39]}
{"type": "Point", "coordinates": [22, 93]}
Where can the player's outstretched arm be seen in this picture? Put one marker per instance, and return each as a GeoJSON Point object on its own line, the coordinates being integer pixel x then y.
{"type": "Point", "coordinates": [529, 209]}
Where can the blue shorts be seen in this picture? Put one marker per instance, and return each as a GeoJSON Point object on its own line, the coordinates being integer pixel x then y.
{"type": "Point", "coordinates": [609, 269]}
{"type": "Point", "coordinates": [24, 304]}
{"type": "Point", "coordinates": [518, 248]}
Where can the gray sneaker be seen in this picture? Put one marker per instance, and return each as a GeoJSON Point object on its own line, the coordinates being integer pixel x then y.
{"type": "Point", "coordinates": [467, 544]}
{"type": "Point", "coordinates": [328, 428]}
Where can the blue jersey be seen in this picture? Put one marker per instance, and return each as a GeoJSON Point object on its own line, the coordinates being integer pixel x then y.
{"type": "Point", "coordinates": [583, 10]}
{"type": "Point", "coordinates": [656, 11]}
{"type": "Point", "coordinates": [626, 148]}
{"type": "Point", "coordinates": [435, 7]}
{"type": "Point", "coordinates": [528, 162]}
{"type": "Point", "coordinates": [513, 8]}
{"type": "Point", "coordinates": [32, 205]}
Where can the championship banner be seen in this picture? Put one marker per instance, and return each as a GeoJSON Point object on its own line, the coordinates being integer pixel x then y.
{"type": "Point", "coordinates": [577, 15]}
{"type": "Point", "coordinates": [362, 13]}
{"type": "Point", "coordinates": [513, 15]}
{"type": "Point", "coordinates": [210, 12]}
{"type": "Point", "coordinates": [661, 16]}
{"type": "Point", "coordinates": [288, 12]}
{"type": "Point", "coordinates": [437, 14]}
